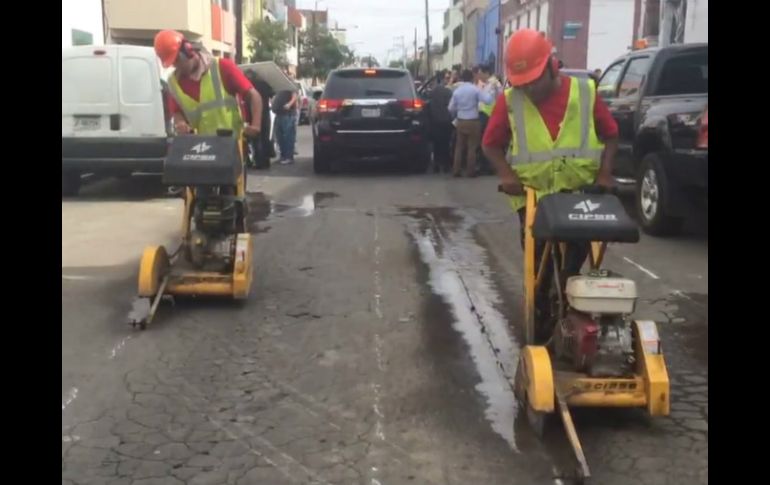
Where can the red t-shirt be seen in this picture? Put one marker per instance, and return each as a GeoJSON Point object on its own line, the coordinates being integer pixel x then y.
{"type": "Point", "coordinates": [234, 81]}
{"type": "Point", "coordinates": [498, 132]}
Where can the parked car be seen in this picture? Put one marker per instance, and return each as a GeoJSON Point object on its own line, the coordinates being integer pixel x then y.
{"type": "Point", "coordinates": [370, 112]}
{"type": "Point", "coordinates": [659, 98]}
{"type": "Point", "coordinates": [114, 119]}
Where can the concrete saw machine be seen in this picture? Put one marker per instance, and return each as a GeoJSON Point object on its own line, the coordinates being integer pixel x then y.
{"type": "Point", "coordinates": [583, 347]}
{"type": "Point", "coordinates": [214, 258]}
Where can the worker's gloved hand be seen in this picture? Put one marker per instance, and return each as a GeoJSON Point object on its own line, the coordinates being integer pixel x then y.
{"type": "Point", "coordinates": [182, 128]}
{"type": "Point", "coordinates": [252, 131]}
{"type": "Point", "coordinates": [605, 180]}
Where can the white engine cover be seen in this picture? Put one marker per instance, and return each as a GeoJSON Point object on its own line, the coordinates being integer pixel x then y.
{"type": "Point", "coordinates": [595, 294]}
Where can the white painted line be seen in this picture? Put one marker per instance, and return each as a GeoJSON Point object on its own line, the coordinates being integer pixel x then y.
{"type": "Point", "coordinates": [116, 350]}
{"type": "Point", "coordinates": [71, 396]}
{"type": "Point", "coordinates": [642, 268]}
{"type": "Point", "coordinates": [76, 277]}
{"type": "Point", "coordinates": [681, 294]}
{"type": "Point", "coordinates": [377, 293]}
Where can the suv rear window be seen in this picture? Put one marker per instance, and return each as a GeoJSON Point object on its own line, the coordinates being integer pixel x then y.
{"type": "Point", "coordinates": [358, 84]}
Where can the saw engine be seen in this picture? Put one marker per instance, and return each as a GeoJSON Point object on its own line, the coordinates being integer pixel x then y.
{"type": "Point", "coordinates": [595, 334]}
{"type": "Point", "coordinates": [210, 167]}
{"type": "Point", "coordinates": [214, 230]}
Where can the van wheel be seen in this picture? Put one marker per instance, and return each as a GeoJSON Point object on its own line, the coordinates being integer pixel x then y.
{"type": "Point", "coordinates": [70, 184]}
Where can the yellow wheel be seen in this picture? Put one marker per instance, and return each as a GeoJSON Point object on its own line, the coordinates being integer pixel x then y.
{"type": "Point", "coordinates": [534, 378]}
{"type": "Point", "coordinates": [534, 386]}
{"type": "Point", "coordinates": [153, 267]}
{"type": "Point", "coordinates": [243, 269]}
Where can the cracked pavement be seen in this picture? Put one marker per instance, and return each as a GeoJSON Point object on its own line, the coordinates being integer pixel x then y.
{"type": "Point", "coordinates": [349, 364]}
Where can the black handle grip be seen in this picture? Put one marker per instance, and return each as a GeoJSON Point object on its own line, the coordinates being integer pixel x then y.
{"type": "Point", "coordinates": [598, 190]}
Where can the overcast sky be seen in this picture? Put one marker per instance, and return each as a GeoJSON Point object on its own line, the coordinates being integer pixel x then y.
{"type": "Point", "coordinates": [82, 15]}
{"type": "Point", "coordinates": [380, 23]}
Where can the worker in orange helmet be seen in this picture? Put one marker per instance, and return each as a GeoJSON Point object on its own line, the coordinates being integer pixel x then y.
{"type": "Point", "coordinates": [548, 131]}
{"type": "Point", "coordinates": [204, 90]}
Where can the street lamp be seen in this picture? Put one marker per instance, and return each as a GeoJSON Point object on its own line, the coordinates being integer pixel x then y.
{"type": "Point", "coordinates": [403, 48]}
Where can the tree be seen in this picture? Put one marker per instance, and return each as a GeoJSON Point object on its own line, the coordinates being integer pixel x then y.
{"type": "Point", "coordinates": [320, 53]}
{"type": "Point", "coordinates": [396, 64]}
{"type": "Point", "coordinates": [414, 66]}
{"type": "Point", "coordinates": [268, 40]}
{"type": "Point", "coordinates": [349, 56]}
{"type": "Point", "coordinates": [369, 61]}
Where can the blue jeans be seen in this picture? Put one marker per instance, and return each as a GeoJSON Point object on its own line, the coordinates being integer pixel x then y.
{"type": "Point", "coordinates": [286, 134]}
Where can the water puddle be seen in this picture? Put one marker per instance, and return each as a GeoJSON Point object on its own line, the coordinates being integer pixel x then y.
{"type": "Point", "coordinates": [459, 274]}
{"type": "Point", "coordinates": [262, 208]}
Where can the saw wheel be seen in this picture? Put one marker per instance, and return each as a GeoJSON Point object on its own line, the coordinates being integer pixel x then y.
{"type": "Point", "coordinates": [153, 268]}
{"type": "Point", "coordinates": [534, 386]}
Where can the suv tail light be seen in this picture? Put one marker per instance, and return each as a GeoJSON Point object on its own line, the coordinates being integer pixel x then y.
{"type": "Point", "coordinates": [412, 105]}
{"type": "Point", "coordinates": [329, 105]}
{"type": "Point", "coordinates": [703, 130]}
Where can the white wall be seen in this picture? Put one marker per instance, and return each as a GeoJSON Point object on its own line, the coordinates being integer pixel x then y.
{"type": "Point", "coordinates": [610, 31]}
{"type": "Point", "coordinates": [83, 15]}
{"type": "Point", "coordinates": [454, 54]}
{"type": "Point", "coordinates": [696, 27]}
{"type": "Point", "coordinates": [544, 27]}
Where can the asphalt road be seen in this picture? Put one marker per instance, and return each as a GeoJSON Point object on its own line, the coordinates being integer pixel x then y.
{"type": "Point", "coordinates": [376, 348]}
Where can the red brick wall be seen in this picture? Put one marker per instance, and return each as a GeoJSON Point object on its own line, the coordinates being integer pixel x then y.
{"type": "Point", "coordinates": [573, 52]}
{"type": "Point", "coordinates": [216, 22]}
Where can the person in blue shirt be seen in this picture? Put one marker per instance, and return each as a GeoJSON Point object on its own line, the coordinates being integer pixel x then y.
{"type": "Point", "coordinates": [464, 106]}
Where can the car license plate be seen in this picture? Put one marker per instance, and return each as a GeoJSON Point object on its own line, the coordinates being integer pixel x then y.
{"type": "Point", "coordinates": [87, 123]}
{"type": "Point", "coordinates": [370, 112]}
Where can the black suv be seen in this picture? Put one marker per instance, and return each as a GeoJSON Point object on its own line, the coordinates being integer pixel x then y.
{"type": "Point", "coordinates": [367, 113]}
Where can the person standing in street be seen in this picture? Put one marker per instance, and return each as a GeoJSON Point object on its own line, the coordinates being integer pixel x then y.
{"type": "Point", "coordinates": [488, 83]}
{"type": "Point", "coordinates": [285, 109]}
{"type": "Point", "coordinates": [261, 146]}
{"type": "Point", "coordinates": [441, 124]}
{"type": "Point", "coordinates": [464, 105]}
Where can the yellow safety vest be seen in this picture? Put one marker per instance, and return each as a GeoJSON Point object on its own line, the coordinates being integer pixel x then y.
{"type": "Point", "coordinates": [488, 108]}
{"type": "Point", "coordinates": [215, 109]}
{"type": "Point", "coordinates": [551, 166]}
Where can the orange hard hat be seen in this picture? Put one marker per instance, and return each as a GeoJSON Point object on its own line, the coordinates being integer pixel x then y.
{"type": "Point", "coordinates": [526, 55]}
{"type": "Point", "coordinates": [167, 46]}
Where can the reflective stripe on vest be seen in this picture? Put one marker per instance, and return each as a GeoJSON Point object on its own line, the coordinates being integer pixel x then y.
{"type": "Point", "coordinates": [194, 110]}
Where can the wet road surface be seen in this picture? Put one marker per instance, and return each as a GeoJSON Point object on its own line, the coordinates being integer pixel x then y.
{"type": "Point", "coordinates": [378, 345]}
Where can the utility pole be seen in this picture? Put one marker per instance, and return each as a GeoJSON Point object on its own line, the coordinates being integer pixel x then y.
{"type": "Point", "coordinates": [105, 26]}
{"type": "Point", "coordinates": [415, 62]}
{"type": "Point", "coordinates": [403, 49]}
{"type": "Point", "coordinates": [427, 41]}
{"type": "Point", "coordinates": [464, 57]}
{"type": "Point", "coordinates": [238, 5]}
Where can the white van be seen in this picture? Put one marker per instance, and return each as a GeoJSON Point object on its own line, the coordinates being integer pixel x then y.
{"type": "Point", "coordinates": [113, 115]}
